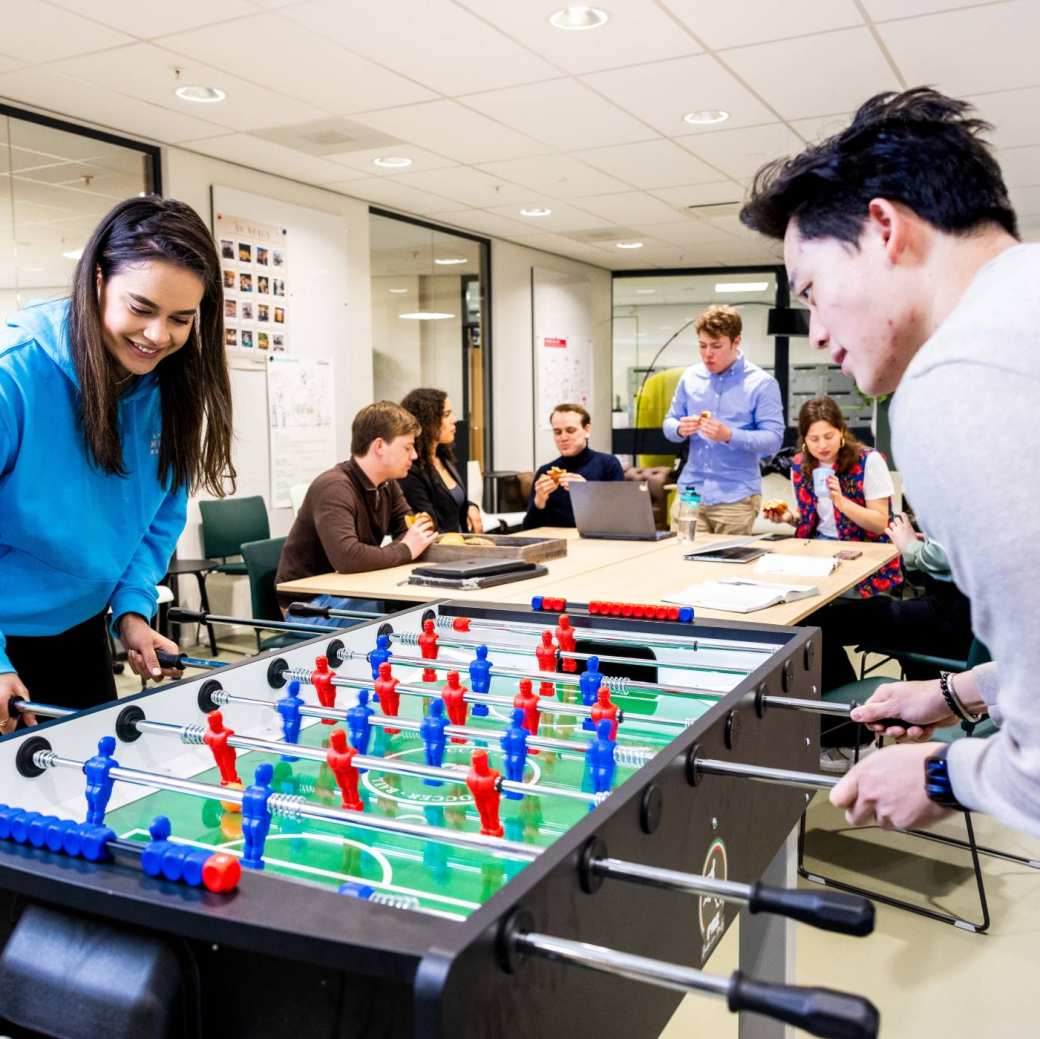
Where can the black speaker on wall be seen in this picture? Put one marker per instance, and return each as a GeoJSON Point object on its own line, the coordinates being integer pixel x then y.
{"type": "Point", "coordinates": [786, 321]}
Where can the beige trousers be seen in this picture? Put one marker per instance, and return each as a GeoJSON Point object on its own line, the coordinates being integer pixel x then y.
{"type": "Point", "coordinates": [736, 517]}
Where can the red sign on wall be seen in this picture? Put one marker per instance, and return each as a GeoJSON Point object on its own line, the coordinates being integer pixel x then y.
{"type": "Point", "coordinates": [560, 344]}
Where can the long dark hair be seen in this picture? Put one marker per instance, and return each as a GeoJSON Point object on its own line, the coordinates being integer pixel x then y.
{"type": "Point", "coordinates": [825, 409]}
{"type": "Point", "coordinates": [195, 447]}
{"type": "Point", "coordinates": [427, 405]}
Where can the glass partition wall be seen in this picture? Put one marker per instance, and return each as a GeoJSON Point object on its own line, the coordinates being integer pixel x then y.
{"type": "Point", "coordinates": [56, 182]}
{"type": "Point", "coordinates": [429, 323]}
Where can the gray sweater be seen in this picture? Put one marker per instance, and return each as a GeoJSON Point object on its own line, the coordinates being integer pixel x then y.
{"type": "Point", "coordinates": [964, 424]}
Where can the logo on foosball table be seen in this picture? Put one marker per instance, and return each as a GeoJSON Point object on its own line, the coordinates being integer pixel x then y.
{"type": "Point", "coordinates": [713, 910]}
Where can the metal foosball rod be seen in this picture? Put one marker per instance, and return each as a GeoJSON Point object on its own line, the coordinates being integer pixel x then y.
{"type": "Point", "coordinates": [43, 710]}
{"type": "Point", "coordinates": [819, 1011]}
{"type": "Point", "coordinates": [294, 807]}
{"type": "Point", "coordinates": [192, 735]}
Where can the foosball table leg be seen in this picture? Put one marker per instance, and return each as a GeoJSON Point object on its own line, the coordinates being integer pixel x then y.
{"type": "Point", "coordinates": [767, 944]}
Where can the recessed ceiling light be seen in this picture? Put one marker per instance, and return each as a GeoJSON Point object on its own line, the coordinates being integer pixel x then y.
{"type": "Point", "coordinates": [449, 261]}
{"type": "Point", "coordinates": [645, 292]}
{"type": "Point", "coordinates": [742, 286]}
{"type": "Point", "coordinates": [396, 292]}
{"type": "Point", "coordinates": [201, 95]}
{"type": "Point", "coordinates": [535, 211]}
{"type": "Point", "coordinates": [392, 162]}
{"type": "Point", "coordinates": [425, 315]}
{"type": "Point", "coordinates": [73, 254]}
{"type": "Point", "coordinates": [576, 18]}
{"type": "Point", "coordinates": [706, 117]}
{"type": "Point", "coordinates": [629, 245]}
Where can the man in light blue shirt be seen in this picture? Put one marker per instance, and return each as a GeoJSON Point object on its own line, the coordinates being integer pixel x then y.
{"type": "Point", "coordinates": [730, 411]}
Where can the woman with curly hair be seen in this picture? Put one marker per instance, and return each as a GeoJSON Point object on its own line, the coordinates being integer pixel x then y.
{"type": "Point", "coordinates": [434, 485]}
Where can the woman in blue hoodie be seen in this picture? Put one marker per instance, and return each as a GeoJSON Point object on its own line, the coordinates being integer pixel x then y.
{"type": "Point", "coordinates": [113, 403]}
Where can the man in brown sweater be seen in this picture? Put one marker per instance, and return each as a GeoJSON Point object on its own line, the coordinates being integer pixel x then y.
{"type": "Point", "coordinates": [349, 509]}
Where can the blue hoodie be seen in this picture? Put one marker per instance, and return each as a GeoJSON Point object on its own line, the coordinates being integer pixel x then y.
{"type": "Point", "coordinates": [74, 539]}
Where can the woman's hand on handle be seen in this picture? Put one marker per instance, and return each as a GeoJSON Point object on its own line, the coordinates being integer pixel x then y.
{"type": "Point", "coordinates": [12, 688]}
{"type": "Point", "coordinates": [141, 641]}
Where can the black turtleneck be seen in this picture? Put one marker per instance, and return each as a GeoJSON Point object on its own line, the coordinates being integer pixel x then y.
{"type": "Point", "coordinates": [558, 512]}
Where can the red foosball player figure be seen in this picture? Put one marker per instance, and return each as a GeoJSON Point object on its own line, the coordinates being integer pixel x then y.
{"type": "Point", "coordinates": [604, 708]}
{"type": "Point", "coordinates": [454, 697]}
{"type": "Point", "coordinates": [321, 679]}
{"type": "Point", "coordinates": [340, 759]}
{"type": "Point", "coordinates": [568, 643]}
{"type": "Point", "coordinates": [483, 785]}
{"type": "Point", "coordinates": [389, 698]}
{"type": "Point", "coordinates": [527, 701]}
{"type": "Point", "coordinates": [546, 652]}
{"type": "Point", "coordinates": [216, 738]}
{"type": "Point", "coordinates": [428, 648]}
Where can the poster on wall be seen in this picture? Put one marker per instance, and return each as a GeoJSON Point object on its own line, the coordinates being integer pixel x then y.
{"type": "Point", "coordinates": [563, 372]}
{"type": "Point", "coordinates": [302, 421]}
{"type": "Point", "coordinates": [254, 266]}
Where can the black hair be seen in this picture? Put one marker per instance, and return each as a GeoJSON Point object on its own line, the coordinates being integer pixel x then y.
{"type": "Point", "coordinates": [919, 148]}
{"type": "Point", "coordinates": [427, 405]}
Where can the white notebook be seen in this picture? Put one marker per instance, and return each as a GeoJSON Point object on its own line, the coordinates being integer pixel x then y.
{"type": "Point", "coordinates": [793, 565]}
{"type": "Point", "coordinates": [739, 596]}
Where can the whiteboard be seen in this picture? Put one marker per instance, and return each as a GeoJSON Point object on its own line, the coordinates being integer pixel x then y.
{"type": "Point", "coordinates": [561, 351]}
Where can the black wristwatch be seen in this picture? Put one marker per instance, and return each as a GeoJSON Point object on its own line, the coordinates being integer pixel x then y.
{"type": "Point", "coordinates": [937, 780]}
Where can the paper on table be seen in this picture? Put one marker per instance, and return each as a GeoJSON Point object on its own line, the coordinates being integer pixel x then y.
{"type": "Point", "coordinates": [803, 566]}
{"type": "Point", "coordinates": [737, 596]}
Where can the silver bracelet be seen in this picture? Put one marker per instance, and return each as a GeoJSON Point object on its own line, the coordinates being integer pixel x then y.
{"type": "Point", "coordinates": [972, 718]}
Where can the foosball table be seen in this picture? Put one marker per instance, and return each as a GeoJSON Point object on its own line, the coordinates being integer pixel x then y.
{"type": "Point", "coordinates": [450, 821]}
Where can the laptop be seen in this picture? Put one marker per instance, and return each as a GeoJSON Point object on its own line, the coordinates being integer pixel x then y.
{"type": "Point", "coordinates": [729, 550]}
{"type": "Point", "coordinates": [615, 509]}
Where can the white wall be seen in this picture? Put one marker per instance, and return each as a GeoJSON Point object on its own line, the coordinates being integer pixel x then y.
{"type": "Point", "coordinates": [513, 347]}
{"type": "Point", "coordinates": [442, 340]}
{"type": "Point", "coordinates": [396, 344]}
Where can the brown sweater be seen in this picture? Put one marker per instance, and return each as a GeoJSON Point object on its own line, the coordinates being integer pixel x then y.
{"type": "Point", "coordinates": [340, 525]}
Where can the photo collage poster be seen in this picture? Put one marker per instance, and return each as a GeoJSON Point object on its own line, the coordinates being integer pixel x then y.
{"type": "Point", "coordinates": [254, 266]}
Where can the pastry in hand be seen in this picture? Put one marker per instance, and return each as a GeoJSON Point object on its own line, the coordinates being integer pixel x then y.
{"type": "Point", "coordinates": [775, 505]}
{"type": "Point", "coordinates": [705, 414]}
{"type": "Point", "coordinates": [555, 473]}
{"type": "Point", "coordinates": [415, 517]}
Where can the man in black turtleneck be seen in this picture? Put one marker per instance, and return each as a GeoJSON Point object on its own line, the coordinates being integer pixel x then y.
{"type": "Point", "coordinates": [550, 502]}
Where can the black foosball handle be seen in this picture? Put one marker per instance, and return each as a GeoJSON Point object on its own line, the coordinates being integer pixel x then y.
{"type": "Point", "coordinates": [181, 615]}
{"type": "Point", "coordinates": [170, 660]}
{"type": "Point", "coordinates": [819, 1011]}
{"type": "Point", "coordinates": [827, 910]}
{"type": "Point", "coordinates": [306, 609]}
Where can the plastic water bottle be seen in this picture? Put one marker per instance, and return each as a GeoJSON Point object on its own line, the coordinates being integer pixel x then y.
{"type": "Point", "coordinates": [689, 506]}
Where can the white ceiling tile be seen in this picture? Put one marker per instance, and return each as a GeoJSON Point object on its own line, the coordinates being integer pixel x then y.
{"type": "Point", "coordinates": [815, 75]}
{"type": "Point", "coordinates": [629, 207]}
{"type": "Point", "coordinates": [700, 194]}
{"type": "Point", "coordinates": [637, 31]}
{"type": "Point", "coordinates": [385, 191]}
{"type": "Point", "coordinates": [434, 42]}
{"type": "Point", "coordinates": [557, 176]}
{"type": "Point", "coordinates": [820, 127]}
{"type": "Point", "coordinates": [247, 150]}
{"type": "Point", "coordinates": [881, 10]}
{"type": "Point", "coordinates": [1007, 32]}
{"type": "Point", "coordinates": [740, 153]}
{"type": "Point", "coordinates": [563, 218]}
{"type": "Point", "coordinates": [44, 88]}
{"type": "Point", "coordinates": [7, 63]}
{"type": "Point", "coordinates": [1013, 115]}
{"type": "Point", "coordinates": [446, 127]}
{"type": "Point", "coordinates": [310, 65]}
{"type": "Point", "coordinates": [147, 72]}
{"type": "Point", "coordinates": [562, 113]}
{"type": "Point", "coordinates": [483, 222]}
{"type": "Point", "coordinates": [1020, 166]}
{"type": "Point", "coordinates": [753, 21]}
{"type": "Point", "coordinates": [467, 186]}
{"type": "Point", "coordinates": [150, 18]}
{"type": "Point", "coordinates": [364, 161]}
{"type": "Point", "coordinates": [48, 33]}
{"type": "Point", "coordinates": [662, 93]}
{"type": "Point", "coordinates": [650, 164]}
{"type": "Point", "coordinates": [690, 232]}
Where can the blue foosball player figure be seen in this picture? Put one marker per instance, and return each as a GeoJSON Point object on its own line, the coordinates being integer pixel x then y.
{"type": "Point", "coordinates": [256, 816]}
{"type": "Point", "coordinates": [514, 749]}
{"type": "Point", "coordinates": [480, 679]}
{"type": "Point", "coordinates": [358, 724]}
{"type": "Point", "coordinates": [600, 758]}
{"type": "Point", "coordinates": [431, 731]}
{"type": "Point", "coordinates": [289, 709]}
{"type": "Point", "coordinates": [590, 681]}
{"type": "Point", "coordinates": [99, 781]}
{"type": "Point", "coordinates": [380, 654]}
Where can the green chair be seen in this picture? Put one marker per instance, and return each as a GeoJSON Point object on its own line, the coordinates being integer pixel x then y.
{"type": "Point", "coordinates": [858, 692]}
{"type": "Point", "coordinates": [260, 559]}
{"type": "Point", "coordinates": [651, 406]}
{"type": "Point", "coordinates": [226, 524]}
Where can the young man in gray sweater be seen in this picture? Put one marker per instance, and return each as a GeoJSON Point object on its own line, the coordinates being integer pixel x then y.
{"type": "Point", "coordinates": [899, 236]}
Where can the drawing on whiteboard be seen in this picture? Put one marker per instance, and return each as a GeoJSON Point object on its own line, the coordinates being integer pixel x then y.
{"type": "Point", "coordinates": [563, 372]}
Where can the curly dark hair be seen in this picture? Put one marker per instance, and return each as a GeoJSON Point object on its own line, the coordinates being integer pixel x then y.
{"type": "Point", "coordinates": [826, 409]}
{"type": "Point", "coordinates": [920, 148]}
{"type": "Point", "coordinates": [427, 405]}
